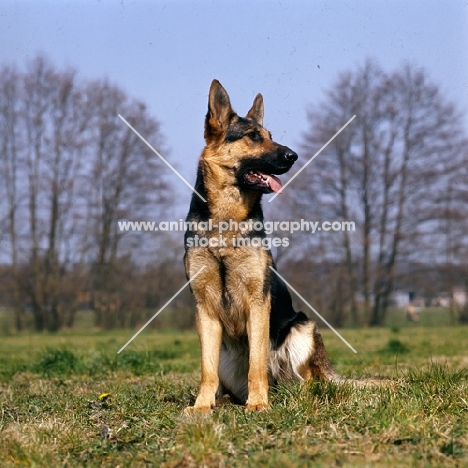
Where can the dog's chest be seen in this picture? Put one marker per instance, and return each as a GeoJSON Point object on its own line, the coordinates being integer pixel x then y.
{"type": "Point", "coordinates": [241, 276]}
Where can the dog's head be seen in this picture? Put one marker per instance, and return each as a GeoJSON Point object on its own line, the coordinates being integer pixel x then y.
{"type": "Point", "coordinates": [241, 146]}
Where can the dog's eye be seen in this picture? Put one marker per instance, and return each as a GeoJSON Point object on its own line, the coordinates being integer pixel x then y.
{"type": "Point", "coordinates": [255, 136]}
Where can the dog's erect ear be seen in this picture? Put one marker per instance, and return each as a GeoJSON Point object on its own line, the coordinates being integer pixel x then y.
{"type": "Point", "coordinates": [256, 112]}
{"type": "Point", "coordinates": [219, 113]}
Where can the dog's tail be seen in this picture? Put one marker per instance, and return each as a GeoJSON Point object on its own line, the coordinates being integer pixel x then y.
{"type": "Point", "coordinates": [322, 368]}
{"type": "Point", "coordinates": [320, 364]}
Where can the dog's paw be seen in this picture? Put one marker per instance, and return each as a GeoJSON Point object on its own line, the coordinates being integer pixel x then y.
{"type": "Point", "coordinates": [197, 410]}
{"type": "Point", "coordinates": [257, 400]}
{"type": "Point", "coordinates": [256, 407]}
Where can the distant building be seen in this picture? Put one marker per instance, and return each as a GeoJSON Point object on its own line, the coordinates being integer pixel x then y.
{"type": "Point", "coordinates": [401, 299]}
{"type": "Point", "coordinates": [442, 300]}
{"type": "Point", "coordinates": [459, 297]}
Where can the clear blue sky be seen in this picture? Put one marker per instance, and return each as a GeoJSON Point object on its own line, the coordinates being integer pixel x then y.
{"type": "Point", "coordinates": [167, 52]}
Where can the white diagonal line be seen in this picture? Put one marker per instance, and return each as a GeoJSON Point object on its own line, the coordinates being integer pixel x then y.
{"type": "Point", "coordinates": [162, 159]}
{"type": "Point", "coordinates": [160, 310]}
{"type": "Point", "coordinates": [313, 310]}
{"type": "Point", "coordinates": [313, 157]}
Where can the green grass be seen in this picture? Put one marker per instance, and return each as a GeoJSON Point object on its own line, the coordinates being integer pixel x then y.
{"type": "Point", "coordinates": [51, 414]}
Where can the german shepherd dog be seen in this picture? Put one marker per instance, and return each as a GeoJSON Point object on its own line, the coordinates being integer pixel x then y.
{"type": "Point", "coordinates": [250, 335]}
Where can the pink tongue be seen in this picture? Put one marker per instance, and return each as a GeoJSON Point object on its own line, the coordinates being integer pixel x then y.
{"type": "Point", "coordinates": [275, 184]}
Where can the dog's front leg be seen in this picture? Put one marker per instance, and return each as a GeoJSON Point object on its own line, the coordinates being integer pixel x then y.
{"type": "Point", "coordinates": [258, 325]}
{"type": "Point", "coordinates": [210, 333]}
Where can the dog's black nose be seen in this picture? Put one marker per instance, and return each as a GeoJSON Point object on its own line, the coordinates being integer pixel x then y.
{"type": "Point", "coordinates": [290, 155]}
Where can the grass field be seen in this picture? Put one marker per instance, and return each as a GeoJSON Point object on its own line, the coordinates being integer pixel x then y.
{"type": "Point", "coordinates": [52, 416]}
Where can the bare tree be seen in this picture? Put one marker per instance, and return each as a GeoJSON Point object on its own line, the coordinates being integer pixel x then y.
{"type": "Point", "coordinates": [124, 181]}
{"type": "Point", "coordinates": [53, 128]}
{"type": "Point", "coordinates": [70, 170]}
{"type": "Point", "coordinates": [384, 172]}
{"type": "Point", "coordinates": [10, 162]}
